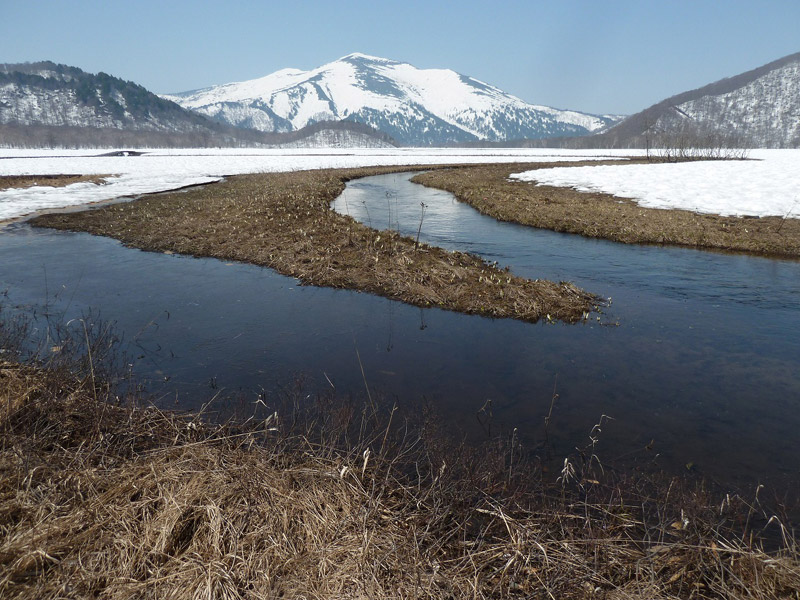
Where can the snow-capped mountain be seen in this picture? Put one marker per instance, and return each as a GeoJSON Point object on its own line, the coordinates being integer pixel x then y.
{"type": "Point", "coordinates": [758, 108]}
{"type": "Point", "coordinates": [48, 104]}
{"type": "Point", "coordinates": [414, 106]}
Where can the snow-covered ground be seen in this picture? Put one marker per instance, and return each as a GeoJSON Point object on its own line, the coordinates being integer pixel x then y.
{"type": "Point", "coordinates": [159, 170]}
{"type": "Point", "coordinates": [767, 185]}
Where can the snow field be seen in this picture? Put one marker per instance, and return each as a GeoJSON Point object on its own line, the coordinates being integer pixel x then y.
{"type": "Point", "coordinates": [766, 185]}
{"type": "Point", "coordinates": [160, 170]}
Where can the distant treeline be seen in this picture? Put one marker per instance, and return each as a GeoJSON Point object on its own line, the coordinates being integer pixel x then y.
{"type": "Point", "coordinates": [684, 135]}
{"type": "Point", "coordinates": [45, 136]}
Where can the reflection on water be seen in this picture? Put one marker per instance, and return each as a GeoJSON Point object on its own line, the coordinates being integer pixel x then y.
{"type": "Point", "coordinates": [704, 360]}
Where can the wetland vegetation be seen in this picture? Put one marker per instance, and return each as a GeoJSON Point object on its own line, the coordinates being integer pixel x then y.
{"type": "Point", "coordinates": [114, 498]}
{"type": "Point", "coordinates": [284, 221]}
{"type": "Point", "coordinates": [24, 181]}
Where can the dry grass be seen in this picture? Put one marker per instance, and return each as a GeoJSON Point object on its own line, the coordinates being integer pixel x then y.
{"type": "Point", "coordinates": [25, 181]}
{"type": "Point", "coordinates": [488, 189]}
{"type": "Point", "coordinates": [284, 221]}
{"type": "Point", "coordinates": [98, 500]}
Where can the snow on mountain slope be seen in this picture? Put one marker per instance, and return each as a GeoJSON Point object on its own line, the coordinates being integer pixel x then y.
{"type": "Point", "coordinates": [415, 106]}
{"type": "Point", "coordinates": [48, 94]}
{"type": "Point", "coordinates": [333, 138]}
{"type": "Point", "coordinates": [53, 107]}
{"type": "Point", "coordinates": [49, 104]}
{"type": "Point", "coordinates": [766, 111]}
{"type": "Point", "coordinates": [757, 108]}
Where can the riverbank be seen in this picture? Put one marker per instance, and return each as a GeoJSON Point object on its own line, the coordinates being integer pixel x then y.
{"type": "Point", "coordinates": [116, 499]}
{"type": "Point", "coordinates": [26, 181]}
{"type": "Point", "coordinates": [488, 189]}
{"type": "Point", "coordinates": [284, 221]}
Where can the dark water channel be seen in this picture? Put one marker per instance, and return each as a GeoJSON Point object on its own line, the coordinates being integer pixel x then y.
{"type": "Point", "coordinates": [704, 360]}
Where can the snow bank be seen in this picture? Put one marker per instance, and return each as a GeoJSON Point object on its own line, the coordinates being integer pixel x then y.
{"type": "Point", "coordinates": [769, 184]}
{"type": "Point", "coordinates": [159, 170]}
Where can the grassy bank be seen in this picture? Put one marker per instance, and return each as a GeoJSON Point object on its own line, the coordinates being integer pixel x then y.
{"type": "Point", "coordinates": [25, 181]}
{"type": "Point", "coordinates": [488, 189]}
{"type": "Point", "coordinates": [100, 499]}
{"type": "Point", "coordinates": [284, 221]}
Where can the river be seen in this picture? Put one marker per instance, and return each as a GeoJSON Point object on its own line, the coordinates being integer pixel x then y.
{"type": "Point", "coordinates": [698, 352]}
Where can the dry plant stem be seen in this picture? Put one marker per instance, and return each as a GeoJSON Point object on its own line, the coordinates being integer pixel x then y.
{"type": "Point", "coordinates": [140, 503]}
{"type": "Point", "coordinates": [488, 189]}
{"type": "Point", "coordinates": [284, 221]}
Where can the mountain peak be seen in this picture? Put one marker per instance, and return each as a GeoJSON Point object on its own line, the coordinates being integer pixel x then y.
{"type": "Point", "coordinates": [360, 57]}
{"type": "Point", "coordinates": [415, 106]}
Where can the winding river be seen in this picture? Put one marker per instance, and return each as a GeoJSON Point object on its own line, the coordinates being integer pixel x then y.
{"type": "Point", "coordinates": [698, 352]}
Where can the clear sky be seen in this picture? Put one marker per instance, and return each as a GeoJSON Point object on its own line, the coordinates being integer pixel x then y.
{"type": "Point", "coordinates": [601, 56]}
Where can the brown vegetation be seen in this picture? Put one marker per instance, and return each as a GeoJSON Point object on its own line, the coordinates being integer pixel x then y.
{"type": "Point", "coordinates": [488, 189]}
{"type": "Point", "coordinates": [284, 221]}
{"type": "Point", "coordinates": [24, 181]}
{"type": "Point", "coordinates": [101, 500]}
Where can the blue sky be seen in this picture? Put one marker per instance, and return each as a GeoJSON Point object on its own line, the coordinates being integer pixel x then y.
{"type": "Point", "coordinates": [596, 56]}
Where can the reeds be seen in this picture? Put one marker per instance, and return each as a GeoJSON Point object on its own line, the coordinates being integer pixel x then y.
{"type": "Point", "coordinates": [333, 500]}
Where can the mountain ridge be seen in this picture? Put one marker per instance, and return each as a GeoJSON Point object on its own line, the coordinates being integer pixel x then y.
{"type": "Point", "coordinates": [376, 102]}
{"type": "Point", "coordinates": [45, 104]}
{"type": "Point", "coordinates": [729, 107]}
{"type": "Point", "coordinates": [51, 94]}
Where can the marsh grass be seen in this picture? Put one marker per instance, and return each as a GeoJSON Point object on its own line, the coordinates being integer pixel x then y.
{"type": "Point", "coordinates": [284, 221]}
{"type": "Point", "coordinates": [25, 181]}
{"type": "Point", "coordinates": [109, 497]}
{"type": "Point", "coordinates": [488, 189]}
